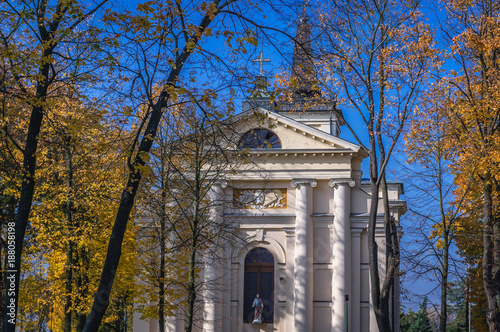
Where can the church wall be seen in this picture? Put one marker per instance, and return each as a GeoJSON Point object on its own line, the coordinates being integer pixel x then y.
{"type": "Point", "coordinates": [322, 198]}
{"type": "Point", "coordinates": [322, 240]}
{"type": "Point", "coordinates": [360, 201]}
{"type": "Point", "coordinates": [322, 317]}
{"type": "Point", "coordinates": [394, 192]}
{"type": "Point", "coordinates": [365, 313]}
{"type": "Point", "coordinates": [271, 223]}
{"type": "Point", "coordinates": [322, 284]}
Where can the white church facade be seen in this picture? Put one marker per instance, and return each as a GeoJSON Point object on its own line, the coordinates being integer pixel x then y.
{"type": "Point", "coordinates": [303, 211]}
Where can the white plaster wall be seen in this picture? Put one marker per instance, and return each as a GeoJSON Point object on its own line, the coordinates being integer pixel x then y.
{"type": "Point", "coordinates": [322, 317]}
{"type": "Point", "coordinates": [322, 241]}
{"type": "Point", "coordinates": [276, 226]}
{"type": "Point", "coordinates": [360, 201]}
{"type": "Point", "coordinates": [322, 198]}
{"type": "Point", "coordinates": [322, 284]}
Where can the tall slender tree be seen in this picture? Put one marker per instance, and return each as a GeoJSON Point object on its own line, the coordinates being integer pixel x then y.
{"type": "Point", "coordinates": [472, 30]}
{"type": "Point", "coordinates": [434, 206]}
{"type": "Point", "coordinates": [375, 57]}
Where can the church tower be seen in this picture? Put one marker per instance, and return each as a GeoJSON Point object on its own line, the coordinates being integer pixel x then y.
{"type": "Point", "coordinates": [303, 80]}
{"type": "Point", "coordinates": [303, 100]}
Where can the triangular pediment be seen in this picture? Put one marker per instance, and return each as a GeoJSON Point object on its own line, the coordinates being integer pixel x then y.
{"type": "Point", "coordinates": [293, 134]}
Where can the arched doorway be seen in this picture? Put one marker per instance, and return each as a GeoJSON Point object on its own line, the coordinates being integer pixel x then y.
{"type": "Point", "coordinates": [259, 279]}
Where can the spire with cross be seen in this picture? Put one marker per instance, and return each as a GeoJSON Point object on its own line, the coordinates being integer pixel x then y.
{"type": "Point", "coordinates": [261, 60]}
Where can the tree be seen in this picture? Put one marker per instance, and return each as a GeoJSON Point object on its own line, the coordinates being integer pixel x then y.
{"type": "Point", "coordinates": [434, 207]}
{"type": "Point", "coordinates": [422, 322]}
{"type": "Point", "coordinates": [419, 321]}
{"type": "Point", "coordinates": [457, 297]}
{"type": "Point", "coordinates": [47, 55]}
{"type": "Point", "coordinates": [75, 199]}
{"type": "Point", "coordinates": [31, 68]}
{"type": "Point", "coordinates": [473, 111]}
{"type": "Point", "coordinates": [376, 68]}
{"type": "Point", "coordinates": [407, 319]}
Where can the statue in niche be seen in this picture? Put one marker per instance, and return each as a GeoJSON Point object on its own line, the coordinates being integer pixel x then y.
{"type": "Point", "coordinates": [259, 307]}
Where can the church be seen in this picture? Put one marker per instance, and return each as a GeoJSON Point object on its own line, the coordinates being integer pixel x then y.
{"type": "Point", "coordinates": [304, 222]}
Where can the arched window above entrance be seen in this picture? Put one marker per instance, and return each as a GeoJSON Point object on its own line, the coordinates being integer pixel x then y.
{"type": "Point", "coordinates": [259, 279]}
{"type": "Point", "coordinates": [260, 138]}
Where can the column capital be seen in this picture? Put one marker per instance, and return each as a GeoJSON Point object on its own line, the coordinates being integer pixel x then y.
{"type": "Point", "coordinates": [334, 183]}
{"type": "Point", "coordinates": [221, 183]}
{"type": "Point", "coordinates": [310, 182]}
{"type": "Point", "coordinates": [356, 232]}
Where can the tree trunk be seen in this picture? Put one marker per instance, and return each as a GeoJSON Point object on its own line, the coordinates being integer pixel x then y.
{"type": "Point", "coordinates": [68, 311]}
{"type": "Point", "coordinates": [68, 289]}
{"type": "Point", "coordinates": [29, 164]}
{"type": "Point", "coordinates": [12, 277]}
{"type": "Point", "coordinates": [379, 304]}
{"type": "Point", "coordinates": [82, 282]}
{"type": "Point", "coordinates": [490, 258]}
{"type": "Point", "coordinates": [444, 287]}
{"type": "Point", "coordinates": [391, 250]}
{"type": "Point", "coordinates": [161, 285]}
{"type": "Point", "coordinates": [191, 290]}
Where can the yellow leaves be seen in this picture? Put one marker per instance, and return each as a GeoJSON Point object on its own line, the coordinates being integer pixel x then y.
{"type": "Point", "coordinates": [209, 9]}
{"type": "Point", "coordinates": [190, 45]}
{"type": "Point", "coordinates": [146, 7]}
{"type": "Point", "coordinates": [251, 40]}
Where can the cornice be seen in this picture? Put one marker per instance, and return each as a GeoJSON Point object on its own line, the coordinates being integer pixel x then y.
{"type": "Point", "coordinates": [301, 152]}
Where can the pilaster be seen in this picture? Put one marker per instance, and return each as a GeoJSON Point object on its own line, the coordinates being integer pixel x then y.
{"type": "Point", "coordinates": [303, 267]}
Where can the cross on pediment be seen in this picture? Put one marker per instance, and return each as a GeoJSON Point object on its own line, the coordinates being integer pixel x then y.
{"type": "Point", "coordinates": [261, 60]}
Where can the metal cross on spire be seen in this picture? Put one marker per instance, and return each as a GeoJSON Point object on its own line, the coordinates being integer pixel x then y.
{"type": "Point", "coordinates": [261, 60]}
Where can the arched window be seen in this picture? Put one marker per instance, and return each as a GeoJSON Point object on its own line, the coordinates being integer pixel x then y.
{"type": "Point", "coordinates": [259, 279]}
{"type": "Point", "coordinates": [260, 138]}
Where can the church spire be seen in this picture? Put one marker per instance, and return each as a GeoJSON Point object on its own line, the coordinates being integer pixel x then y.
{"type": "Point", "coordinates": [303, 75]}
